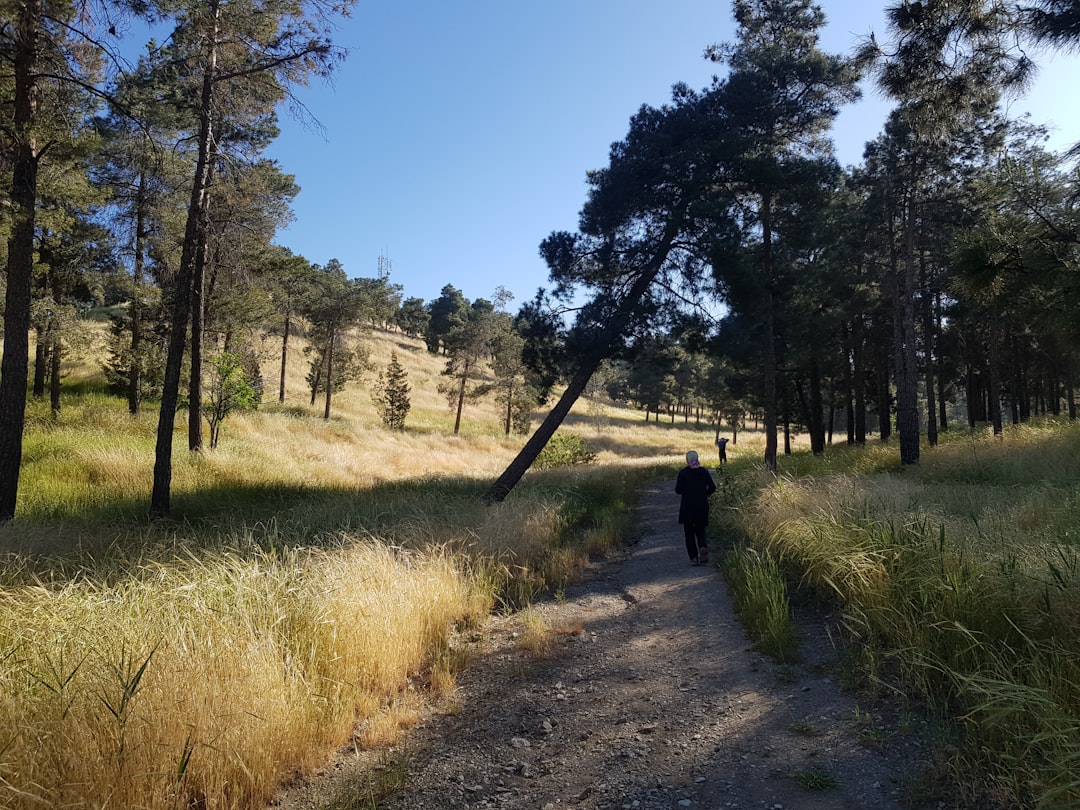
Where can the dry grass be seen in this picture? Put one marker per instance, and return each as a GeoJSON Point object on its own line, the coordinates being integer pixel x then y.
{"type": "Point", "coordinates": [307, 592]}
{"type": "Point", "coordinates": [960, 577]}
{"type": "Point", "coordinates": [537, 636]}
{"type": "Point", "coordinates": [211, 678]}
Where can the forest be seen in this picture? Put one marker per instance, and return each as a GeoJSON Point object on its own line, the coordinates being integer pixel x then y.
{"type": "Point", "coordinates": [725, 263]}
{"type": "Point", "coordinates": [892, 347]}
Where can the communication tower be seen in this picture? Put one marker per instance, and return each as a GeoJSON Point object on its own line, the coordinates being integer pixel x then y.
{"type": "Point", "coordinates": [385, 266]}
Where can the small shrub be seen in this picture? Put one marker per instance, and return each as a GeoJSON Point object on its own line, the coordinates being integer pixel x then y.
{"type": "Point", "coordinates": [563, 450]}
{"type": "Point", "coordinates": [815, 780]}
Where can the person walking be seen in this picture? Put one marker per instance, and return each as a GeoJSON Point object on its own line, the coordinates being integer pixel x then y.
{"type": "Point", "coordinates": [695, 485]}
{"type": "Point", "coordinates": [721, 445]}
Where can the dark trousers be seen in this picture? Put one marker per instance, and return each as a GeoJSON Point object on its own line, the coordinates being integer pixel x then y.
{"type": "Point", "coordinates": [695, 537]}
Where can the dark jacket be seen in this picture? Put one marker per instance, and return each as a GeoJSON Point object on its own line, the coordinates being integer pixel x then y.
{"type": "Point", "coordinates": [695, 485]}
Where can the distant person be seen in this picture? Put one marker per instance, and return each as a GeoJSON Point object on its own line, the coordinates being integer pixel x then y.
{"type": "Point", "coordinates": [721, 445]}
{"type": "Point", "coordinates": [695, 485]}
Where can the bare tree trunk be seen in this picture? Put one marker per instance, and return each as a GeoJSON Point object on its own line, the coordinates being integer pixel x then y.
{"type": "Point", "coordinates": [329, 372]}
{"type": "Point", "coordinates": [769, 339]}
{"type": "Point", "coordinates": [884, 401]}
{"type": "Point", "coordinates": [55, 351]}
{"type": "Point", "coordinates": [907, 403]}
{"type": "Point", "coordinates": [193, 236]}
{"type": "Point", "coordinates": [41, 361]}
{"type": "Point", "coordinates": [817, 414]}
{"type": "Point", "coordinates": [284, 358]}
{"type": "Point", "coordinates": [461, 396]}
{"type": "Point", "coordinates": [136, 368]}
{"type": "Point", "coordinates": [858, 359]}
{"type": "Point", "coordinates": [928, 351]}
{"type": "Point", "coordinates": [509, 405]}
{"type": "Point", "coordinates": [994, 383]}
{"type": "Point", "coordinates": [198, 316]}
{"type": "Point", "coordinates": [1071, 390]}
{"type": "Point", "coordinates": [56, 290]}
{"type": "Point", "coordinates": [23, 201]}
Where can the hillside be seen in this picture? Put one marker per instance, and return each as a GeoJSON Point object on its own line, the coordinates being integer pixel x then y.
{"type": "Point", "coordinates": [103, 458]}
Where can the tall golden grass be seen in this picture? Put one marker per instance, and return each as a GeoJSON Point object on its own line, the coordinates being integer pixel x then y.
{"type": "Point", "coordinates": [961, 577]}
{"type": "Point", "coordinates": [206, 681]}
{"type": "Point", "coordinates": [306, 591]}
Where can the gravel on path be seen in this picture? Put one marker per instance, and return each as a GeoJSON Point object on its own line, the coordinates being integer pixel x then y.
{"type": "Point", "coordinates": [652, 699]}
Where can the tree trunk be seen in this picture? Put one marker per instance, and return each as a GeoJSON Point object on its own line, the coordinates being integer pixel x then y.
{"type": "Point", "coordinates": [817, 415]}
{"type": "Point", "coordinates": [329, 372]}
{"type": "Point", "coordinates": [994, 383]}
{"type": "Point", "coordinates": [41, 361]}
{"type": "Point", "coordinates": [56, 290]}
{"type": "Point", "coordinates": [858, 382]}
{"type": "Point", "coordinates": [195, 437]}
{"type": "Point", "coordinates": [23, 201]}
{"type": "Point", "coordinates": [160, 496]}
{"type": "Point", "coordinates": [524, 459]}
{"type": "Point", "coordinates": [907, 393]}
{"type": "Point", "coordinates": [849, 392]}
{"type": "Point", "coordinates": [55, 351]}
{"type": "Point", "coordinates": [509, 405]}
{"type": "Point", "coordinates": [943, 411]}
{"type": "Point", "coordinates": [787, 426]}
{"type": "Point", "coordinates": [884, 401]}
{"type": "Point", "coordinates": [135, 369]}
{"type": "Point", "coordinates": [317, 381]}
{"type": "Point", "coordinates": [284, 358]}
{"type": "Point", "coordinates": [928, 352]}
{"type": "Point", "coordinates": [1071, 390]}
{"type": "Point", "coordinates": [461, 396]}
{"type": "Point", "coordinates": [769, 338]}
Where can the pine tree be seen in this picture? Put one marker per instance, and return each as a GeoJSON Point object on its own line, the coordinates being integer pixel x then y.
{"type": "Point", "coordinates": [780, 96]}
{"type": "Point", "coordinates": [391, 394]}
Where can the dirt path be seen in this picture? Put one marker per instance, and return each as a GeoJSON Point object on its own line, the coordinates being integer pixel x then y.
{"type": "Point", "coordinates": [658, 703]}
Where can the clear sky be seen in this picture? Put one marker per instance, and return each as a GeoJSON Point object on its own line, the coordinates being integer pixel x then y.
{"type": "Point", "coordinates": [457, 135]}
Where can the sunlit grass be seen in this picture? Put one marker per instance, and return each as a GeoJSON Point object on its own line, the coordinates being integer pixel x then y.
{"type": "Point", "coordinates": [210, 677]}
{"type": "Point", "coordinates": [964, 574]}
{"type": "Point", "coordinates": [312, 586]}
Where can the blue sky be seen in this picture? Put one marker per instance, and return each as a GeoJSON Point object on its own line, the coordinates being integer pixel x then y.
{"type": "Point", "coordinates": [457, 135]}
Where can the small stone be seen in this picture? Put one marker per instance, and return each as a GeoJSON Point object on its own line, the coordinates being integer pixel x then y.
{"type": "Point", "coordinates": [520, 742]}
{"type": "Point", "coordinates": [685, 802]}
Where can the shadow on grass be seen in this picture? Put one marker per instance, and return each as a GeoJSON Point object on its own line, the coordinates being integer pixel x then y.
{"type": "Point", "coordinates": [436, 511]}
{"type": "Point", "coordinates": [224, 514]}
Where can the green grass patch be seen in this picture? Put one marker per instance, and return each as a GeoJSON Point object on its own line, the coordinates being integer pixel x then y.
{"type": "Point", "coordinates": [760, 596]}
{"type": "Point", "coordinates": [959, 578]}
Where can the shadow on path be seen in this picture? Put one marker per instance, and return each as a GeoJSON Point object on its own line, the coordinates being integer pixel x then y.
{"type": "Point", "coordinates": [654, 701]}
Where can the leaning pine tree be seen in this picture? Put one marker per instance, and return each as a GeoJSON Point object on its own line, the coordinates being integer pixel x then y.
{"type": "Point", "coordinates": [643, 210]}
{"type": "Point", "coordinates": [391, 394]}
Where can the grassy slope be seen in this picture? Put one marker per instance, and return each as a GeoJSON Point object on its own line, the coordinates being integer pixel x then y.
{"type": "Point", "coordinates": [312, 575]}
{"type": "Point", "coordinates": [95, 460]}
